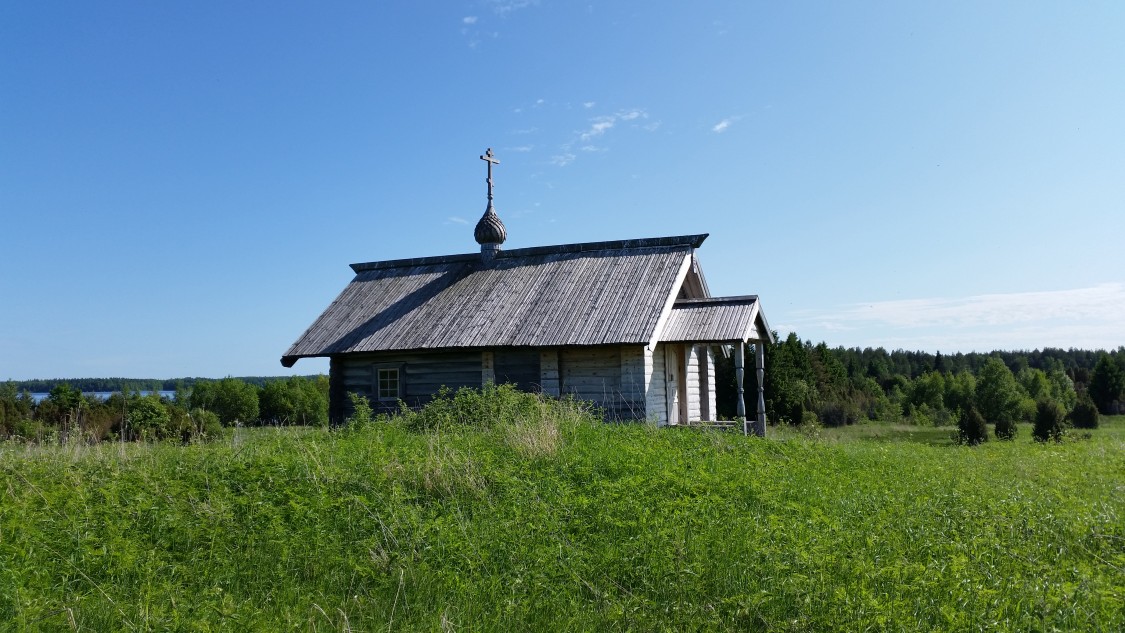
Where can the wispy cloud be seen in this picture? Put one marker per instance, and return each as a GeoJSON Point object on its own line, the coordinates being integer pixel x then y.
{"type": "Point", "coordinates": [1082, 317]}
{"type": "Point", "coordinates": [453, 219]}
{"type": "Point", "coordinates": [723, 125]}
{"type": "Point", "coordinates": [1106, 301]}
{"type": "Point", "coordinates": [562, 160]}
{"type": "Point", "coordinates": [599, 127]}
{"type": "Point", "coordinates": [589, 104]}
{"type": "Point", "coordinates": [504, 7]}
{"type": "Point", "coordinates": [469, 19]}
{"type": "Point", "coordinates": [602, 124]}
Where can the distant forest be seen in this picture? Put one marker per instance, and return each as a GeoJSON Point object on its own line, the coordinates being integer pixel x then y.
{"type": "Point", "coordinates": [835, 386]}
{"type": "Point", "coordinates": [886, 367]}
{"type": "Point", "coordinates": [96, 385]}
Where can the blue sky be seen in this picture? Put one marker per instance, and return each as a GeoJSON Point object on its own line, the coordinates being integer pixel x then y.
{"type": "Point", "coordinates": [182, 185]}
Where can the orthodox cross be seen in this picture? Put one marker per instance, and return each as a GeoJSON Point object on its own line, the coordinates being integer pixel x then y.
{"type": "Point", "coordinates": [491, 160]}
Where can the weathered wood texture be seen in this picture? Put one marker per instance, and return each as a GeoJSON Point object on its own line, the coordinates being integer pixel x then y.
{"type": "Point", "coordinates": [579, 294]}
{"type": "Point", "coordinates": [549, 371]}
{"type": "Point", "coordinates": [716, 320]}
{"type": "Point", "coordinates": [675, 387]}
{"type": "Point", "coordinates": [423, 375]}
{"type": "Point", "coordinates": [693, 386]}
{"type": "Point", "coordinates": [656, 398]}
{"type": "Point", "coordinates": [712, 404]}
{"type": "Point", "coordinates": [519, 367]}
{"type": "Point", "coordinates": [633, 381]}
{"type": "Point", "coordinates": [594, 373]}
{"type": "Point", "coordinates": [487, 368]}
{"type": "Point", "coordinates": [701, 381]}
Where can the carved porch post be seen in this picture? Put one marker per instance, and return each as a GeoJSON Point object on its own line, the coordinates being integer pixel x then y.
{"type": "Point", "coordinates": [740, 410]}
{"type": "Point", "coordinates": [760, 358]}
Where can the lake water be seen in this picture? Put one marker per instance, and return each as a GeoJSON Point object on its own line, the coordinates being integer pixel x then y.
{"type": "Point", "coordinates": [40, 397]}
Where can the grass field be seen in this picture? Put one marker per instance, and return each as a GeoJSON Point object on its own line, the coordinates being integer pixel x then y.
{"type": "Point", "coordinates": [542, 519]}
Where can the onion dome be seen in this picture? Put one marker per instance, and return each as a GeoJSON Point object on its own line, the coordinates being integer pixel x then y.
{"type": "Point", "coordinates": [490, 230]}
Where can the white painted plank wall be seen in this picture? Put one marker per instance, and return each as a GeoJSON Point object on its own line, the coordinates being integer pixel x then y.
{"type": "Point", "coordinates": [692, 378]}
{"type": "Point", "coordinates": [711, 397]}
{"type": "Point", "coordinates": [656, 400]}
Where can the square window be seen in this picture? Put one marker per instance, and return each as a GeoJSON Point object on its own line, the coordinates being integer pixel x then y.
{"type": "Point", "coordinates": [388, 384]}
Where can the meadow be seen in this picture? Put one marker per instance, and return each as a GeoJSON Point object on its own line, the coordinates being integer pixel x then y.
{"type": "Point", "coordinates": [505, 512]}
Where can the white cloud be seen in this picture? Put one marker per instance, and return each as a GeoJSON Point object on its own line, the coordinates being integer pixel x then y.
{"type": "Point", "coordinates": [520, 148]}
{"type": "Point", "coordinates": [1089, 318]}
{"type": "Point", "coordinates": [600, 126]}
{"type": "Point", "coordinates": [470, 19]}
{"type": "Point", "coordinates": [725, 124]}
{"type": "Point", "coordinates": [453, 219]}
{"type": "Point", "coordinates": [562, 160]}
{"type": "Point", "coordinates": [589, 104]}
{"type": "Point", "coordinates": [1106, 301]}
{"type": "Point", "coordinates": [503, 7]}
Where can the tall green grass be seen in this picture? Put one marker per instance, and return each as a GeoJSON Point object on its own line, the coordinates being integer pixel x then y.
{"type": "Point", "coordinates": [545, 519]}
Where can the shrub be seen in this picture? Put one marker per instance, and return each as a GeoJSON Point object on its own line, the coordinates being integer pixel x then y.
{"type": "Point", "coordinates": [233, 400]}
{"type": "Point", "coordinates": [1085, 414]}
{"type": "Point", "coordinates": [295, 400]}
{"type": "Point", "coordinates": [1049, 421]}
{"type": "Point", "coordinates": [972, 429]}
{"type": "Point", "coordinates": [147, 418]}
{"type": "Point", "coordinates": [1005, 428]}
{"type": "Point", "coordinates": [206, 423]}
{"type": "Point", "coordinates": [362, 413]}
{"type": "Point", "coordinates": [833, 414]}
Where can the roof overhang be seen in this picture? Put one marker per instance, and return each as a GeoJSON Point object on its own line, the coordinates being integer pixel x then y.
{"type": "Point", "coordinates": [717, 320]}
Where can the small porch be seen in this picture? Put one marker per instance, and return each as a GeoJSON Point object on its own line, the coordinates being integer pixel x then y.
{"type": "Point", "coordinates": [695, 331]}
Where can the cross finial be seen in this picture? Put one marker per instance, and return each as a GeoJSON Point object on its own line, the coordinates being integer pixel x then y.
{"type": "Point", "coordinates": [490, 232]}
{"type": "Point", "coordinates": [491, 160]}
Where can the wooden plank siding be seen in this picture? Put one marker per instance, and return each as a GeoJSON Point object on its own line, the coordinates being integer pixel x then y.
{"type": "Point", "coordinates": [422, 376]}
{"type": "Point", "coordinates": [595, 374]}
{"type": "Point", "coordinates": [691, 376]}
{"type": "Point", "coordinates": [656, 399]}
{"type": "Point", "coordinates": [633, 381]}
{"type": "Point", "coordinates": [519, 367]}
{"type": "Point", "coordinates": [549, 371]}
{"type": "Point", "coordinates": [712, 405]}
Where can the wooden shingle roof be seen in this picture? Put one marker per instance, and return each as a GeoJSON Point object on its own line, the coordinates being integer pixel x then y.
{"type": "Point", "coordinates": [716, 320]}
{"type": "Point", "coordinates": [576, 294]}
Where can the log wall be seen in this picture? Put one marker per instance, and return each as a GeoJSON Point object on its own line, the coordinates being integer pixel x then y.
{"type": "Point", "coordinates": [422, 374]}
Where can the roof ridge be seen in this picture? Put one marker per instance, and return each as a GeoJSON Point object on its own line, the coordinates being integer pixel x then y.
{"type": "Point", "coordinates": [694, 241]}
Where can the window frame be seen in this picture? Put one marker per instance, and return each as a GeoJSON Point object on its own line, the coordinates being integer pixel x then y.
{"type": "Point", "coordinates": [377, 370]}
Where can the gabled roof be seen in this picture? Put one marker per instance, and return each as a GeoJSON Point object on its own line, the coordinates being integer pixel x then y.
{"type": "Point", "coordinates": [717, 320]}
{"type": "Point", "coordinates": [576, 294]}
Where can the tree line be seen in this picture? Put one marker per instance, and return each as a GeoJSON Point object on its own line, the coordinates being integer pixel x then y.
{"type": "Point", "coordinates": [196, 411]}
{"type": "Point", "coordinates": [109, 385]}
{"type": "Point", "coordinates": [805, 383]}
{"type": "Point", "coordinates": [813, 383]}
